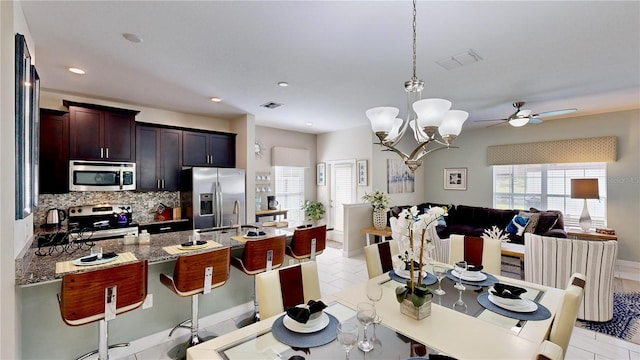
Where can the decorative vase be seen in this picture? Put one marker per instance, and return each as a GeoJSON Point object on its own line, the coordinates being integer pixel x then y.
{"type": "Point", "coordinates": [379, 219]}
{"type": "Point", "coordinates": [416, 312]}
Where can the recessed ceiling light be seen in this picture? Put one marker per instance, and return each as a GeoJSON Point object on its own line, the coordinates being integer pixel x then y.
{"type": "Point", "coordinates": [283, 84]}
{"type": "Point", "coordinates": [309, 124]}
{"type": "Point", "coordinates": [76, 71]}
{"type": "Point", "coordinates": [216, 99]}
{"type": "Point", "coordinates": [132, 37]}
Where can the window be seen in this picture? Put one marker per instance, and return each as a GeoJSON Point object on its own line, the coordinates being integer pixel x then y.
{"type": "Point", "coordinates": [290, 191]}
{"type": "Point", "coordinates": [548, 187]}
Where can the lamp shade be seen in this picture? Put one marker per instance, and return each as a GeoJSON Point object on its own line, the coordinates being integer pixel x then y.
{"type": "Point", "coordinates": [382, 118]}
{"type": "Point", "coordinates": [431, 112]}
{"type": "Point", "coordinates": [452, 123]}
{"type": "Point", "coordinates": [584, 189]}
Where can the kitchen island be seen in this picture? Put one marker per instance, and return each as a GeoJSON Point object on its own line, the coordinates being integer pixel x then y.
{"type": "Point", "coordinates": [46, 336]}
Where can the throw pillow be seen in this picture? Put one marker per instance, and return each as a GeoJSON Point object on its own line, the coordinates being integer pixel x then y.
{"type": "Point", "coordinates": [517, 225]}
{"type": "Point", "coordinates": [533, 220]}
{"type": "Point", "coordinates": [545, 223]}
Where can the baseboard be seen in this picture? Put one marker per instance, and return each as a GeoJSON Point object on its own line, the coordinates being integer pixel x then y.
{"type": "Point", "coordinates": [161, 337]}
{"type": "Point", "coordinates": [627, 270]}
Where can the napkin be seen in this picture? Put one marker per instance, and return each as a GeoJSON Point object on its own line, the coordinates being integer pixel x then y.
{"type": "Point", "coordinates": [301, 314]}
{"type": "Point", "coordinates": [93, 258]}
{"type": "Point", "coordinates": [507, 291]}
{"type": "Point", "coordinates": [190, 243]}
{"type": "Point", "coordinates": [303, 226]}
{"type": "Point", "coordinates": [475, 267]}
{"type": "Point", "coordinates": [254, 233]}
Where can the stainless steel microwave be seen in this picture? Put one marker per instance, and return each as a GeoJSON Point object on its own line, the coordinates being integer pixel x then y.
{"type": "Point", "coordinates": [101, 176]}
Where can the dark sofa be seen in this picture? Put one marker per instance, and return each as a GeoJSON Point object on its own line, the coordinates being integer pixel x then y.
{"type": "Point", "coordinates": [473, 220]}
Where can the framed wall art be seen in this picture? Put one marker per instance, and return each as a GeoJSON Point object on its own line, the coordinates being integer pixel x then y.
{"type": "Point", "coordinates": [399, 178]}
{"type": "Point", "coordinates": [363, 172]}
{"type": "Point", "coordinates": [321, 174]}
{"type": "Point", "coordinates": [455, 179]}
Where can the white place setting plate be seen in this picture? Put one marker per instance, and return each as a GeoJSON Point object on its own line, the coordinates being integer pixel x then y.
{"type": "Point", "coordinates": [470, 275]}
{"type": "Point", "coordinates": [309, 327]}
{"type": "Point", "coordinates": [79, 262]}
{"type": "Point", "coordinates": [405, 274]}
{"type": "Point", "coordinates": [525, 306]}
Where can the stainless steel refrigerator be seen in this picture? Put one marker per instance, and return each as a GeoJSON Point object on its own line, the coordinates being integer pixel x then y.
{"type": "Point", "coordinates": [214, 197]}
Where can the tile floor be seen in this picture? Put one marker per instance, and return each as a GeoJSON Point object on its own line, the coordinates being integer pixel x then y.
{"type": "Point", "coordinates": [337, 272]}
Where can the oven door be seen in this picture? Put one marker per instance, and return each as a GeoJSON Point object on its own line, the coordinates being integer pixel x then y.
{"type": "Point", "coordinates": [101, 176]}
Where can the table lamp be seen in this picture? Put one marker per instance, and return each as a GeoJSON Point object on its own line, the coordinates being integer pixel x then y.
{"type": "Point", "coordinates": [584, 189]}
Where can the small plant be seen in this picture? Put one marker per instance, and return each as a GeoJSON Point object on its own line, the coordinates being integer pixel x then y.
{"type": "Point", "coordinates": [313, 210]}
{"type": "Point", "coordinates": [379, 200]}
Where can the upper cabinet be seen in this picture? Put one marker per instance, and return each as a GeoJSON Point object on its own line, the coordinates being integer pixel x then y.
{"type": "Point", "coordinates": [100, 132]}
{"type": "Point", "coordinates": [209, 149]}
{"type": "Point", "coordinates": [158, 158]}
{"type": "Point", "coordinates": [54, 152]}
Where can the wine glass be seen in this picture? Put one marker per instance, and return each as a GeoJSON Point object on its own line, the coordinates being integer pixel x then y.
{"type": "Point", "coordinates": [439, 271]}
{"type": "Point", "coordinates": [461, 268]}
{"type": "Point", "coordinates": [374, 293]}
{"type": "Point", "coordinates": [459, 305]}
{"type": "Point", "coordinates": [347, 335]}
{"type": "Point", "coordinates": [365, 315]}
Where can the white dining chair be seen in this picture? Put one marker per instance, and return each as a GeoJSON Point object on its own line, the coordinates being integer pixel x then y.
{"type": "Point", "coordinates": [491, 252]}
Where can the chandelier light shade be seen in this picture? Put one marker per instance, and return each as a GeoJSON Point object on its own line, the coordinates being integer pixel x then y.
{"type": "Point", "coordinates": [585, 189]}
{"type": "Point", "coordinates": [426, 118]}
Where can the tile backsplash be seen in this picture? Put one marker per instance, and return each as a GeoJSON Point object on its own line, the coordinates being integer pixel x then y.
{"type": "Point", "coordinates": [142, 213]}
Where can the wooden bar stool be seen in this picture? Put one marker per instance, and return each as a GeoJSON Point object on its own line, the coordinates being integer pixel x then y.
{"type": "Point", "coordinates": [307, 243]}
{"type": "Point", "coordinates": [100, 295]}
{"type": "Point", "coordinates": [260, 256]}
{"type": "Point", "coordinates": [196, 274]}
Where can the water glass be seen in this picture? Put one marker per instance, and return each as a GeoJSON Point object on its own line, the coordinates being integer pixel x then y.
{"type": "Point", "coordinates": [97, 251]}
{"type": "Point", "coordinates": [347, 335]}
{"type": "Point", "coordinates": [461, 269]}
{"type": "Point", "coordinates": [366, 314]}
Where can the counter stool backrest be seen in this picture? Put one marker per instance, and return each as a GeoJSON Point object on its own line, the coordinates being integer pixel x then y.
{"type": "Point", "coordinates": [300, 247]}
{"type": "Point", "coordinates": [254, 255]}
{"type": "Point", "coordinates": [189, 271]}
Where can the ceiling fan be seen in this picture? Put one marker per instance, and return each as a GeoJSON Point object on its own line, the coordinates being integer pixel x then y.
{"type": "Point", "coordinates": [522, 117]}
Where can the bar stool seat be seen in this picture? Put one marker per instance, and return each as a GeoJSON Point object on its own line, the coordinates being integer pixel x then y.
{"type": "Point", "coordinates": [100, 295]}
{"type": "Point", "coordinates": [307, 243]}
{"type": "Point", "coordinates": [259, 256]}
{"type": "Point", "coordinates": [196, 274]}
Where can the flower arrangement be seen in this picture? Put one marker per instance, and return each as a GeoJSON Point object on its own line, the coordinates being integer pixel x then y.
{"type": "Point", "coordinates": [379, 200]}
{"type": "Point", "coordinates": [496, 234]}
{"type": "Point", "coordinates": [415, 244]}
{"type": "Point", "coordinates": [313, 210]}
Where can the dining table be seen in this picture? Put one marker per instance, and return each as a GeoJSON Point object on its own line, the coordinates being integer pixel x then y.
{"type": "Point", "coordinates": [477, 330]}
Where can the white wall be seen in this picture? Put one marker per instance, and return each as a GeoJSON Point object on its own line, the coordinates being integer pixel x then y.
{"type": "Point", "coordinates": [623, 204]}
{"type": "Point", "coordinates": [270, 137]}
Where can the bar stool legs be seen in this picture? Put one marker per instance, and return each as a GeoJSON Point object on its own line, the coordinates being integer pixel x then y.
{"type": "Point", "coordinates": [103, 348]}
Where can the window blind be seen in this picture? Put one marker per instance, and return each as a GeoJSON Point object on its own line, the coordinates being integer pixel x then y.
{"type": "Point", "coordinates": [289, 183]}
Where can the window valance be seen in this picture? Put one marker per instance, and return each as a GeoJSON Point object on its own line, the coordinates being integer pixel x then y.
{"type": "Point", "coordinates": [284, 156]}
{"type": "Point", "coordinates": [597, 149]}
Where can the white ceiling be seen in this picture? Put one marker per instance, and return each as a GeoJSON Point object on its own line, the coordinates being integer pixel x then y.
{"type": "Point", "coordinates": [340, 57]}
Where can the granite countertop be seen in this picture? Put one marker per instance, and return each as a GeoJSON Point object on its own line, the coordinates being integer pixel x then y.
{"type": "Point", "coordinates": [32, 269]}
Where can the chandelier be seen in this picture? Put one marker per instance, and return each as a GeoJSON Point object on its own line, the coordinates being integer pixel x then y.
{"type": "Point", "coordinates": [425, 117]}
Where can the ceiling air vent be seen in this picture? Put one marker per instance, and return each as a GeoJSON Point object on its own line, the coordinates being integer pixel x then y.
{"type": "Point", "coordinates": [271, 105]}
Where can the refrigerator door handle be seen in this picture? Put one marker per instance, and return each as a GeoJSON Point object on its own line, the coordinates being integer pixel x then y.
{"type": "Point", "coordinates": [220, 203]}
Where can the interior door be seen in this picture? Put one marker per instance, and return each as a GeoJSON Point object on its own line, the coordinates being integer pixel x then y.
{"type": "Point", "coordinates": [343, 191]}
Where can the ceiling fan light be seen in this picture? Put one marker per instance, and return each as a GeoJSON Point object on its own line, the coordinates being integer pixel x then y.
{"type": "Point", "coordinates": [518, 122]}
{"type": "Point", "coordinates": [382, 118]}
{"type": "Point", "coordinates": [452, 122]}
{"type": "Point", "coordinates": [431, 112]}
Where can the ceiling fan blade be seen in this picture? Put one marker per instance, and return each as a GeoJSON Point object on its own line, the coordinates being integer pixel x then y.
{"type": "Point", "coordinates": [490, 120]}
{"type": "Point", "coordinates": [554, 113]}
{"type": "Point", "coordinates": [535, 120]}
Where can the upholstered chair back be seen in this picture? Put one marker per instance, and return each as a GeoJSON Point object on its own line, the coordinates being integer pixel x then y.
{"type": "Point", "coordinates": [476, 251]}
{"type": "Point", "coordinates": [379, 257]}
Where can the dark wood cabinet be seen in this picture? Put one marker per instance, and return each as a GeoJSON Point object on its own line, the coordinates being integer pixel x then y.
{"type": "Point", "coordinates": [158, 158]}
{"type": "Point", "coordinates": [54, 152]}
{"type": "Point", "coordinates": [100, 132]}
{"type": "Point", "coordinates": [209, 149]}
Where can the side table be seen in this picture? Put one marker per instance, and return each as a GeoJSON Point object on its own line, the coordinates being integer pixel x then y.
{"type": "Point", "coordinates": [591, 235]}
{"type": "Point", "coordinates": [373, 231]}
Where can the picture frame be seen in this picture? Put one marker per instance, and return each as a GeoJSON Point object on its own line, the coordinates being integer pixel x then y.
{"type": "Point", "coordinates": [455, 179]}
{"type": "Point", "coordinates": [321, 174]}
{"type": "Point", "coordinates": [363, 172]}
